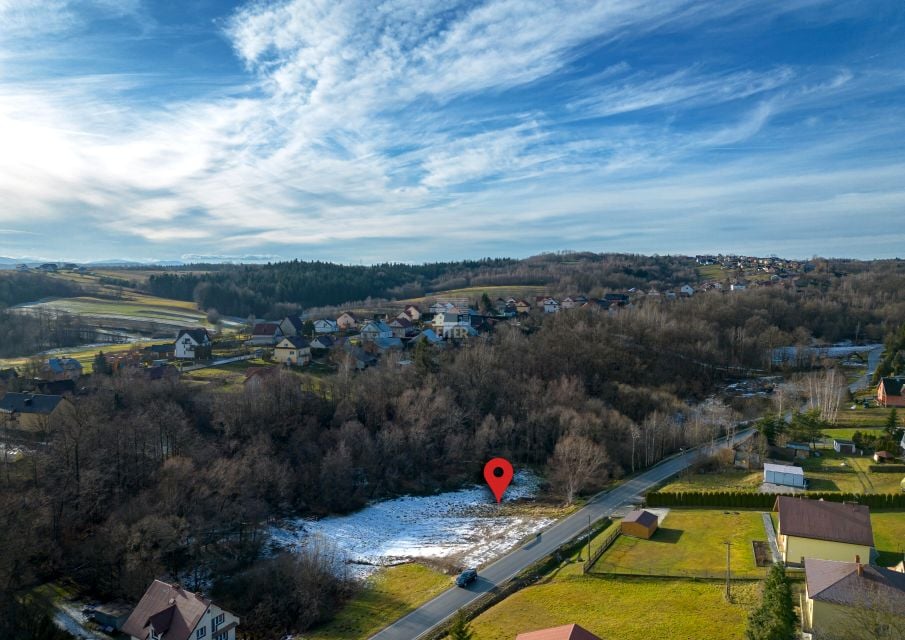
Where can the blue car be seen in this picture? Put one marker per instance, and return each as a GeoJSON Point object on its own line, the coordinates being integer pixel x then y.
{"type": "Point", "coordinates": [466, 577]}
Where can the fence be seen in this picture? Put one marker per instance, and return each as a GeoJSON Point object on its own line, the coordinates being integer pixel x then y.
{"type": "Point", "coordinates": [606, 544]}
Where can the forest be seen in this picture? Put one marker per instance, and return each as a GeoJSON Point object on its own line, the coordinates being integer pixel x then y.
{"type": "Point", "coordinates": [141, 480]}
{"type": "Point", "coordinates": [275, 289]}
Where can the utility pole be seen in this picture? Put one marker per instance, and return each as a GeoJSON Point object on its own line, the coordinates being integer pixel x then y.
{"type": "Point", "coordinates": [728, 572]}
{"type": "Point", "coordinates": [589, 540]}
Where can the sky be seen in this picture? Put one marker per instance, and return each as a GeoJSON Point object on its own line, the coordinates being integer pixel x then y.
{"type": "Point", "coordinates": [411, 131]}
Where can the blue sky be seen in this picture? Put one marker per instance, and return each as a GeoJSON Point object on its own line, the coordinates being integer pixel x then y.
{"type": "Point", "coordinates": [412, 131]}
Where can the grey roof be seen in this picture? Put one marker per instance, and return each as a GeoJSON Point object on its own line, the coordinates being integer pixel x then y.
{"type": "Point", "coordinates": [198, 335]}
{"type": "Point", "coordinates": [823, 520]}
{"type": "Point", "coordinates": [842, 583]}
{"type": "Point", "coordinates": [376, 325]}
{"type": "Point", "coordinates": [784, 468]}
{"type": "Point", "coordinates": [296, 321]}
{"type": "Point", "coordinates": [388, 343]}
{"type": "Point", "coordinates": [297, 342]}
{"type": "Point", "coordinates": [63, 365]}
{"type": "Point", "coordinates": [642, 517]}
{"type": "Point", "coordinates": [324, 342]}
{"type": "Point", "coordinates": [29, 403]}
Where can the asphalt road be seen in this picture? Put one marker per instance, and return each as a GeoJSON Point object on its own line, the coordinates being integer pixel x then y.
{"type": "Point", "coordinates": [435, 611]}
{"type": "Point", "coordinates": [873, 359]}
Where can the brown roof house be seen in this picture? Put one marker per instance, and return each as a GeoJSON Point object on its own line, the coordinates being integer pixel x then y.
{"type": "Point", "coordinates": [824, 530]}
{"type": "Point", "coordinates": [891, 391]}
{"type": "Point", "coordinates": [168, 612]}
{"type": "Point", "coordinates": [639, 524]}
{"type": "Point", "coordinates": [565, 632]}
{"type": "Point", "coordinates": [852, 600]}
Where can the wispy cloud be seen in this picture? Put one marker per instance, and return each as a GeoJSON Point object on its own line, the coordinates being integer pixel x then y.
{"type": "Point", "coordinates": [363, 124]}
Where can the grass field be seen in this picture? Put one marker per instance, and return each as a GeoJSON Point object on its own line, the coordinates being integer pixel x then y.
{"type": "Point", "coordinates": [861, 417]}
{"type": "Point", "coordinates": [712, 272]}
{"type": "Point", "coordinates": [828, 473]}
{"type": "Point", "coordinates": [389, 594]}
{"type": "Point", "coordinates": [847, 432]}
{"type": "Point", "coordinates": [136, 306]}
{"type": "Point", "coordinates": [623, 609]}
{"type": "Point", "coordinates": [889, 536]}
{"type": "Point", "coordinates": [730, 478]}
{"type": "Point", "coordinates": [690, 542]}
{"type": "Point", "coordinates": [85, 355]}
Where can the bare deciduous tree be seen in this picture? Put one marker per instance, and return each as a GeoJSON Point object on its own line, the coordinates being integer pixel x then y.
{"type": "Point", "coordinates": [577, 462]}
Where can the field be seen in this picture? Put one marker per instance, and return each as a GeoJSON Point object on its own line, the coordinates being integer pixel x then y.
{"type": "Point", "coordinates": [133, 306]}
{"type": "Point", "coordinates": [84, 355]}
{"type": "Point", "coordinates": [690, 542]}
{"type": "Point", "coordinates": [623, 609]}
{"type": "Point", "coordinates": [387, 595]}
{"type": "Point", "coordinates": [861, 417]}
{"type": "Point", "coordinates": [738, 479]}
{"type": "Point", "coordinates": [889, 536]}
{"type": "Point", "coordinates": [713, 272]}
{"type": "Point", "coordinates": [846, 433]}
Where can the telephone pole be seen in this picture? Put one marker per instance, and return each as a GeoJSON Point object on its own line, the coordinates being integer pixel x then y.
{"type": "Point", "coordinates": [728, 572]}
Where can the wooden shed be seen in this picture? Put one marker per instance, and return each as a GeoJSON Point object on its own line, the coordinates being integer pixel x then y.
{"type": "Point", "coordinates": [639, 524]}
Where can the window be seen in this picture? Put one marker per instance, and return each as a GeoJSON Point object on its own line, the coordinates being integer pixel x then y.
{"type": "Point", "coordinates": [221, 636]}
{"type": "Point", "coordinates": [217, 621]}
{"type": "Point", "coordinates": [202, 631]}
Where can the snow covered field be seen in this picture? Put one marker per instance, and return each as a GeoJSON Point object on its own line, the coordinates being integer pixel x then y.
{"type": "Point", "coordinates": [462, 526]}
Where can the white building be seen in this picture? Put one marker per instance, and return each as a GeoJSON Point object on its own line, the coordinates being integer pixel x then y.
{"type": "Point", "coordinates": [169, 612]}
{"type": "Point", "coordinates": [551, 305]}
{"type": "Point", "coordinates": [375, 329]}
{"type": "Point", "coordinates": [785, 475]}
{"type": "Point", "coordinates": [192, 344]}
{"type": "Point", "coordinates": [325, 326]}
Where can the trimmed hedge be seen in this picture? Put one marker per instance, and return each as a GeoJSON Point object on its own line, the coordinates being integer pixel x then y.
{"type": "Point", "coordinates": [751, 500]}
{"type": "Point", "coordinates": [887, 468]}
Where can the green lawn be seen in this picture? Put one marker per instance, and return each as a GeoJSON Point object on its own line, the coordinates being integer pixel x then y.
{"type": "Point", "coordinates": [690, 542]}
{"type": "Point", "coordinates": [719, 481]}
{"type": "Point", "coordinates": [889, 536]}
{"type": "Point", "coordinates": [861, 417]}
{"type": "Point", "coordinates": [847, 432]}
{"type": "Point", "coordinates": [388, 595]}
{"type": "Point", "coordinates": [713, 272]}
{"type": "Point", "coordinates": [848, 474]}
{"type": "Point", "coordinates": [623, 609]}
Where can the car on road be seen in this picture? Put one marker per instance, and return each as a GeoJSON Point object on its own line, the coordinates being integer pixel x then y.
{"type": "Point", "coordinates": [466, 577]}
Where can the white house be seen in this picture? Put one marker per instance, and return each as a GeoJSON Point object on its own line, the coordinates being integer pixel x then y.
{"type": "Point", "coordinates": [402, 327]}
{"type": "Point", "coordinates": [293, 350]}
{"type": "Point", "coordinates": [445, 323]}
{"type": "Point", "coordinates": [169, 612]}
{"type": "Point", "coordinates": [192, 343]}
{"type": "Point", "coordinates": [374, 329]}
{"type": "Point", "coordinates": [785, 475]}
{"type": "Point", "coordinates": [265, 334]}
{"type": "Point", "coordinates": [686, 290]}
{"type": "Point", "coordinates": [325, 326]}
{"type": "Point", "coordinates": [551, 305]}
{"type": "Point", "coordinates": [292, 326]}
{"type": "Point", "coordinates": [411, 312]}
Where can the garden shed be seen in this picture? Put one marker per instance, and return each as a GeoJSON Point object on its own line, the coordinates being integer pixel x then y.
{"type": "Point", "coordinates": [639, 524]}
{"type": "Point", "coordinates": [843, 446]}
{"type": "Point", "coordinates": [785, 475]}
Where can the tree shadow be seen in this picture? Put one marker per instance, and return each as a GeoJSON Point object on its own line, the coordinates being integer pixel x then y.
{"type": "Point", "coordinates": [822, 484]}
{"type": "Point", "coordinates": [670, 536]}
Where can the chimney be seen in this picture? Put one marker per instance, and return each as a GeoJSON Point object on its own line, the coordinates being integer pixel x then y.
{"type": "Point", "coordinates": [860, 566]}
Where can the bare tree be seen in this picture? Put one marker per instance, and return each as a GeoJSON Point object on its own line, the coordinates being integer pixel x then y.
{"type": "Point", "coordinates": [825, 391]}
{"type": "Point", "coordinates": [577, 462]}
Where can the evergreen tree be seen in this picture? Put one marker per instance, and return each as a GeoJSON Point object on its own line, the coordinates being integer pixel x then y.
{"type": "Point", "coordinates": [460, 629]}
{"type": "Point", "coordinates": [892, 422]}
{"type": "Point", "coordinates": [100, 364]}
{"type": "Point", "coordinates": [775, 618]}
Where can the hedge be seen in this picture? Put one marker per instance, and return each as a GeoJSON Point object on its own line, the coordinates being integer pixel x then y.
{"type": "Point", "coordinates": [751, 500]}
{"type": "Point", "coordinates": [887, 468]}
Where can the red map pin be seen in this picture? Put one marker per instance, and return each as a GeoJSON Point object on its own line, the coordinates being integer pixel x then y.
{"type": "Point", "coordinates": [498, 474]}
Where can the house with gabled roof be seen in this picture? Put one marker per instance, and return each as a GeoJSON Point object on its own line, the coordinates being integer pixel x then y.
{"type": "Point", "coordinates": [62, 369]}
{"type": "Point", "coordinates": [31, 411]}
{"type": "Point", "coordinates": [411, 312]}
{"type": "Point", "coordinates": [891, 391]}
{"type": "Point", "coordinates": [325, 326]}
{"type": "Point", "coordinates": [169, 612]}
{"type": "Point", "coordinates": [292, 326]}
{"type": "Point", "coordinates": [192, 344]}
{"type": "Point", "coordinates": [402, 327]}
{"type": "Point", "coordinates": [265, 334]}
{"type": "Point", "coordinates": [565, 632]}
{"type": "Point", "coordinates": [323, 342]}
{"type": "Point", "coordinates": [823, 529]}
{"type": "Point", "coordinates": [374, 329]}
{"type": "Point", "coordinates": [346, 320]}
{"type": "Point", "coordinates": [292, 350]}
{"type": "Point", "coordinates": [843, 598]}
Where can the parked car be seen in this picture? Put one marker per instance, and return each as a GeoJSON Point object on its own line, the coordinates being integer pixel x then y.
{"type": "Point", "coordinates": [467, 577]}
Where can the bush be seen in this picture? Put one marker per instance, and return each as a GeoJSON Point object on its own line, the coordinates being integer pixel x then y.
{"type": "Point", "coordinates": [775, 618]}
{"type": "Point", "coordinates": [886, 468]}
{"type": "Point", "coordinates": [752, 500]}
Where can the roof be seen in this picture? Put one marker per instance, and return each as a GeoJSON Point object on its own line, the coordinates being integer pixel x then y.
{"type": "Point", "coordinates": [884, 454]}
{"type": "Point", "coordinates": [159, 348]}
{"type": "Point", "coordinates": [784, 468]}
{"type": "Point", "coordinates": [565, 632]}
{"type": "Point", "coordinates": [62, 365]}
{"type": "Point", "coordinates": [892, 385]}
{"type": "Point", "coordinates": [402, 322]}
{"type": "Point", "coordinates": [29, 403]}
{"type": "Point", "coordinates": [324, 341]}
{"type": "Point", "coordinates": [172, 610]}
{"type": "Point", "coordinates": [377, 325]}
{"type": "Point", "coordinates": [329, 321]}
{"type": "Point", "coordinates": [798, 446]}
{"type": "Point", "coordinates": [265, 329]}
{"type": "Point", "coordinates": [296, 342]}
{"type": "Point", "coordinates": [429, 335]}
{"type": "Point", "coordinates": [822, 520]}
{"type": "Point", "coordinates": [842, 441]}
{"type": "Point", "coordinates": [388, 343]}
{"type": "Point", "coordinates": [200, 336]}
{"type": "Point", "coordinates": [296, 321]}
{"type": "Point", "coordinates": [346, 313]}
{"type": "Point", "coordinates": [841, 583]}
{"type": "Point", "coordinates": [642, 517]}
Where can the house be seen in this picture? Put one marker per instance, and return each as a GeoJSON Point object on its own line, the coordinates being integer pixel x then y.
{"type": "Point", "coordinates": [411, 312]}
{"type": "Point", "coordinates": [31, 410]}
{"type": "Point", "coordinates": [522, 306]}
{"type": "Point", "coordinates": [325, 326]}
{"type": "Point", "coordinates": [565, 632]}
{"type": "Point", "coordinates": [822, 529]}
{"type": "Point", "coordinates": [639, 524]}
{"type": "Point", "coordinates": [841, 599]}
{"type": "Point", "coordinates": [551, 305]}
{"type": "Point", "coordinates": [843, 446]}
{"type": "Point", "coordinates": [460, 332]}
{"type": "Point", "coordinates": [256, 377]}
{"type": "Point", "coordinates": [265, 334]}
{"type": "Point", "coordinates": [443, 323]}
{"type": "Point", "coordinates": [686, 290]}
{"type": "Point", "coordinates": [323, 343]}
{"type": "Point", "coordinates": [785, 475]}
{"type": "Point", "coordinates": [292, 350]}
{"type": "Point", "coordinates": [346, 320]}
{"type": "Point", "coordinates": [374, 329]}
{"type": "Point", "coordinates": [62, 369]}
{"type": "Point", "coordinates": [360, 358]}
{"type": "Point", "coordinates": [619, 299]}
{"type": "Point", "coordinates": [292, 326]}
{"type": "Point", "coordinates": [428, 336]}
{"type": "Point", "coordinates": [192, 344]}
{"type": "Point", "coordinates": [799, 449]}
{"type": "Point", "coordinates": [387, 344]}
{"type": "Point", "coordinates": [169, 612]}
{"type": "Point", "coordinates": [889, 391]}
{"type": "Point", "coordinates": [402, 327]}
{"type": "Point", "coordinates": [154, 352]}
{"type": "Point", "coordinates": [569, 303]}
{"type": "Point", "coordinates": [883, 456]}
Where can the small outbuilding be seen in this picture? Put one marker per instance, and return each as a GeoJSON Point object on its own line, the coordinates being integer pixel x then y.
{"type": "Point", "coordinates": [785, 475]}
{"type": "Point", "coordinates": [639, 524]}
{"type": "Point", "coordinates": [843, 446]}
{"type": "Point", "coordinates": [799, 449]}
{"type": "Point", "coordinates": [884, 456]}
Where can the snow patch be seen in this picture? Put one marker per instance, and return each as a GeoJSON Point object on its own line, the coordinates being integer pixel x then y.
{"type": "Point", "coordinates": [464, 526]}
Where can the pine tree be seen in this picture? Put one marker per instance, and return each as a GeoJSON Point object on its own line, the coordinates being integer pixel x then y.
{"type": "Point", "coordinates": [892, 422]}
{"type": "Point", "coordinates": [774, 619]}
{"type": "Point", "coordinates": [460, 630]}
